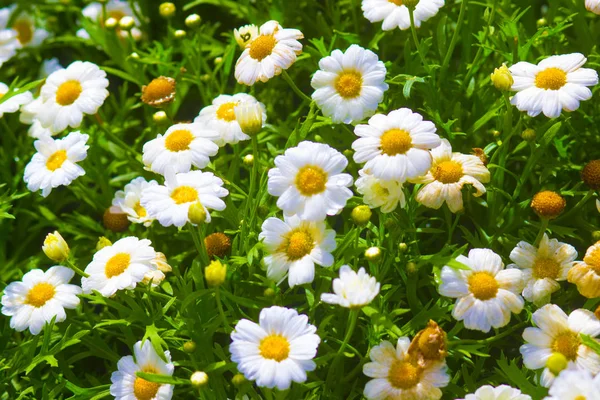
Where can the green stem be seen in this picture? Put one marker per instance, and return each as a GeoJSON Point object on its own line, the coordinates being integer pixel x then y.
{"type": "Point", "coordinates": [461, 17]}
{"type": "Point", "coordinates": [295, 88]}
{"type": "Point", "coordinates": [540, 234]}
{"type": "Point", "coordinates": [471, 70]}
{"type": "Point", "coordinates": [251, 195]}
{"type": "Point", "coordinates": [220, 307]}
{"type": "Point", "coordinates": [416, 40]}
{"type": "Point", "coordinates": [353, 318]}
{"type": "Point", "coordinates": [74, 268]}
{"type": "Point", "coordinates": [198, 238]}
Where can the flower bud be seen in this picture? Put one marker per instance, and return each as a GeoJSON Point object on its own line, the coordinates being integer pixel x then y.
{"type": "Point", "coordinates": [402, 247]}
{"type": "Point", "coordinates": [193, 21]}
{"type": "Point", "coordinates": [218, 60]}
{"type": "Point", "coordinates": [528, 135]}
{"type": "Point", "coordinates": [199, 379]}
{"type": "Point", "coordinates": [115, 220]}
{"type": "Point", "coordinates": [111, 23]}
{"type": "Point", "coordinates": [180, 34]}
{"type": "Point", "coordinates": [126, 23]}
{"type": "Point", "coordinates": [596, 235]}
{"type": "Point", "coordinates": [215, 273]}
{"type": "Point", "coordinates": [541, 22]}
{"type": "Point", "coordinates": [250, 118]}
{"type": "Point", "coordinates": [205, 77]}
{"type": "Point", "coordinates": [102, 243]}
{"type": "Point", "coordinates": [361, 215]}
{"type": "Point", "coordinates": [502, 79]}
{"type": "Point", "coordinates": [160, 117]}
{"type": "Point", "coordinates": [134, 56]}
{"type": "Point", "coordinates": [429, 344]}
{"type": "Point", "coordinates": [269, 292]}
{"type": "Point", "coordinates": [248, 159]}
{"type": "Point", "coordinates": [189, 347]}
{"type": "Point", "coordinates": [238, 379]}
{"type": "Point", "coordinates": [591, 174]}
{"type": "Point", "coordinates": [159, 92]}
{"type": "Point", "coordinates": [373, 253]}
{"type": "Point", "coordinates": [167, 10]}
{"type": "Point", "coordinates": [411, 268]}
{"type": "Point", "coordinates": [217, 244]}
{"type": "Point", "coordinates": [197, 213]}
{"type": "Point", "coordinates": [556, 363]}
{"type": "Point", "coordinates": [55, 247]}
{"type": "Point", "coordinates": [548, 204]}
{"type": "Point", "coordinates": [245, 34]}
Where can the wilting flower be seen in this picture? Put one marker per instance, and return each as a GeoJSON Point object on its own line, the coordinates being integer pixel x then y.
{"type": "Point", "coordinates": [159, 92]}
{"type": "Point", "coordinates": [352, 289]}
{"type": "Point", "coordinates": [429, 344]}
{"type": "Point", "coordinates": [586, 274]}
{"type": "Point", "coordinates": [129, 201]}
{"type": "Point", "coordinates": [245, 35]}
{"type": "Point", "coordinates": [502, 392]}
{"type": "Point", "coordinates": [394, 13]}
{"type": "Point", "coordinates": [387, 195]}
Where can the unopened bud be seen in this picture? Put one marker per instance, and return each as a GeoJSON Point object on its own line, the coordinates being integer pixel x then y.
{"type": "Point", "coordinates": [556, 363]}
{"type": "Point", "coordinates": [160, 117]}
{"type": "Point", "coordinates": [193, 21]}
{"type": "Point", "coordinates": [250, 117]}
{"type": "Point", "coordinates": [372, 253]}
{"type": "Point", "coordinates": [180, 34]}
{"type": "Point", "coordinates": [102, 243]}
{"type": "Point", "coordinates": [167, 9]}
{"type": "Point", "coordinates": [126, 23]}
{"type": "Point", "coordinates": [528, 135]}
{"type": "Point", "coordinates": [199, 379]}
{"type": "Point", "coordinates": [238, 379]}
{"type": "Point", "coordinates": [215, 273]}
{"type": "Point", "coordinates": [111, 23]}
{"type": "Point", "coordinates": [55, 247]}
{"type": "Point", "coordinates": [361, 215]}
{"type": "Point", "coordinates": [269, 292]}
{"type": "Point", "coordinates": [189, 347]}
{"type": "Point", "coordinates": [197, 213]}
{"type": "Point", "coordinates": [502, 78]}
{"type": "Point", "coordinates": [248, 159]}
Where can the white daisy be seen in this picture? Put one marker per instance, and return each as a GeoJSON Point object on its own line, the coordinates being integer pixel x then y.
{"type": "Point", "coordinates": [448, 174]}
{"type": "Point", "coordinates": [308, 180]}
{"type": "Point", "coordinates": [13, 103]}
{"type": "Point", "coordinates": [9, 41]}
{"type": "Point", "coordinates": [351, 289]}
{"type": "Point", "coordinates": [220, 116]}
{"type": "Point", "coordinates": [116, 9]}
{"type": "Point", "coordinates": [379, 193]}
{"type": "Point", "coordinates": [69, 93]}
{"type": "Point", "coordinates": [28, 115]}
{"type": "Point", "coordinates": [119, 266]}
{"type": "Point", "coordinates": [557, 83]}
{"type": "Point", "coordinates": [575, 384]}
{"type": "Point", "coordinates": [395, 146]}
{"type": "Point", "coordinates": [395, 14]}
{"type": "Point", "coordinates": [55, 163]}
{"type": "Point", "coordinates": [586, 274]}
{"type": "Point", "coordinates": [128, 201]}
{"type": "Point", "coordinates": [127, 386]}
{"type": "Point", "coordinates": [39, 297]}
{"type": "Point", "coordinates": [543, 267]}
{"type": "Point", "coordinates": [294, 246]}
{"type": "Point", "coordinates": [398, 376]}
{"type": "Point", "coordinates": [272, 51]}
{"type": "Point", "coordinates": [182, 146]}
{"type": "Point", "coordinates": [486, 293]}
{"type": "Point", "coordinates": [170, 204]}
{"type": "Point", "coordinates": [24, 24]}
{"type": "Point", "coordinates": [502, 392]}
{"type": "Point", "coordinates": [349, 86]}
{"type": "Point", "coordinates": [593, 6]}
{"type": "Point", "coordinates": [278, 350]}
{"type": "Point", "coordinates": [557, 332]}
{"type": "Point", "coordinates": [49, 66]}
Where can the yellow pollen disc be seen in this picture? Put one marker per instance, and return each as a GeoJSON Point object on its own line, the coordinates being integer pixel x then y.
{"type": "Point", "coordinates": [262, 47]}
{"type": "Point", "coordinates": [544, 267]}
{"type": "Point", "coordinates": [145, 390]}
{"type": "Point", "coordinates": [380, 191]}
{"type": "Point", "coordinates": [56, 160]}
{"type": "Point", "coordinates": [349, 84]}
{"type": "Point", "coordinates": [40, 294]}
{"type": "Point", "coordinates": [159, 91]}
{"type": "Point", "coordinates": [226, 111]}
{"type": "Point", "coordinates": [299, 244]}
{"type": "Point", "coordinates": [404, 375]}
{"type": "Point", "coordinates": [274, 347]}
{"type": "Point", "coordinates": [184, 194]}
{"type": "Point", "coordinates": [580, 397]}
{"type": "Point", "coordinates": [117, 265]}
{"type": "Point", "coordinates": [68, 92]}
{"type": "Point", "coordinates": [311, 180]}
{"type": "Point", "coordinates": [139, 210]}
{"type": "Point", "coordinates": [395, 141]}
{"type": "Point", "coordinates": [448, 172]}
{"type": "Point", "coordinates": [483, 285]}
{"type": "Point", "coordinates": [396, 2]}
{"type": "Point", "coordinates": [551, 79]}
{"type": "Point", "coordinates": [24, 31]}
{"type": "Point", "coordinates": [179, 140]}
{"type": "Point", "coordinates": [567, 344]}
{"type": "Point", "coordinates": [548, 204]}
{"type": "Point", "coordinates": [592, 258]}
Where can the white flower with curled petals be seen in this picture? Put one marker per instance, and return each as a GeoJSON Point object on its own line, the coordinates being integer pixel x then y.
{"type": "Point", "coordinates": [387, 195]}
{"type": "Point", "coordinates": [352, 289]}
{"type": "Point", "coordinates": [502, 392]}
{"type": "Point", "coordinates": [129, 201]}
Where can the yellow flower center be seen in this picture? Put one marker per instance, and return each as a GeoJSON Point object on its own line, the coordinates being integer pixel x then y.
{"type": "Point", "coordinates": [380, 191]}
{"type": "Point", "coordinates": [274, 347]}
{"type": "Point", "coordinates": [396, 2]}
{"type": "Point", "coordinates": [404, 375]}
{"type": "Point", "coordinates": [68, 92]}
{"type": "Point", "coordinates": [179, 140]}
{"type": "Point", "coordinates": [56, 160]}
{"type": "Point", "coordinates": [226, 111]}
{"type": "Point", "coordinates": [567, 344]}
{"type": "Point", "coordinates": [117, 265]}
{"type": "Point", "coordinates": [592, 258]}
{"type": "Point", "coordinates": [159, 91]}
{"type": "Point", "coordinates": [184, 194]}
{"type": "Point", "coordinates": [349, 84]}
{"type": "Point", "coordinates": [545, 267]}
{"type": "Point", "coordinates": [311, 180]}
{"type": "Point", "coordinates": [299, 244]}
{"type": "Point", "coordinates": [24, 30]}
{"type": "Point", "coordinates": [139, 210]}
{"type": "Point", "coordinates": [116, 14]}
{"type": "Point", "coordinates": [448, 172]}
{"type": "Point", "coordinates": [395, 141]}
{"type": "Point", "coordinates": [551, 79]}
{"type": "Point", "coordinates": [143, 389]}
{"type": "Point", "coordinates": [262, 47]}
{"type": "Point", "coordinates": [483, 285]}
{"type": "Point", "coordinates": [548, 204]}
{"type": "Point", "coordinates": [40, 294]}
{"type": "Point", "coordinates": [580, 397]}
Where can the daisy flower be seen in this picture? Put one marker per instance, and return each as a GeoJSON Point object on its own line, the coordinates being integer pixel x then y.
{"type": "Point", "coordinates": [55, 163]}
{"type": "Point", "coordinates": [557, 83]}
{"type": "Point", "coordinates": [278, 350]}
{"type": "Point", "coordinates": [128, 201]}
{"type": "Point", "coordinates": [294, 246]}
{"type": "Point", "coordinates": [272, 51]}
{"type": "Point", "coordinates": [308, 180]}
{"type": "Point", "coordinates": [28, 116]}
{"type": "Point", "coordinates": [69, 93]}
{"type": "Point", "coordinates": [115, 9]}
{"type": "Point", "coordinates": [182, 146]}
{"type": "Point", "coordinates": [349, 86]}
{"type": "Point", "coordinates": [12, 104]}
{"type": "Point", "coordinates": [542, 267]}
{"type": "Point", "coordinates": [448, 174]}
{"type": "Point", "coordinates": [593, 6]}
{"type": "Point", "coordinates": [119, 266]}
{"type": "Point", "coordinates": [586, 274]}
{"type": "Point", "coordinates": [170, 204]}
{"type": "Point", "coordinates": [220, 116]}
{"type": "Point", "coordinates": [387, 195]}
{"type": "Point", "coordinates": [395, 146]}
{"type": "Point", "coordinates": [502, 392]}
{"type": "Point", "coordinates": [245, 34]}
{"type": "Point", "coordinates": [394, 13]}
{"type": "Point", "coordinates": [39, 297]}
{"type": "Point", "coordinates": [397, 376]}
{"type": "Point", "coordinates": [49, 66]}
{"type": "Point", "coordinates": [575, 384]}
{"type": "Point", "coordinates": [486, 293]}
{"type": "Point", "coordinates": [9, 42]}
{"type": "Point", "coordinates": [127, 386]}
{"type": "Point", "coordinates": [557, 332]}
{"type": "Point", "coordinates": [24, 25]}
{"type": "Point", "coordinates": [351, 289]}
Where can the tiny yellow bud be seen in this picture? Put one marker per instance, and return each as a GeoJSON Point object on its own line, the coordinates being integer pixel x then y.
{"type": "Point", "coordinates": [238, 379]}
{"type": "Point", "coordinates": [180, 33]}
{"type": "Point", "coordinates": [126, 23]}
{"type": "Point", "coordinates": [160, 117]}
{"type": "Point", "coordinates": [218, 60]}
{"type": "Point", "coordinates": [55, 247]}
{"type": "Point", "coordinates": [502, 79]}
{"type": "Point", "coordinates": [215, 273]}
{"type": "Point", "coordinates": [199, 379]}
{"type": "Point", "coordinates": [205, 77]}
{"type": "Point", "coordinates": [250, 117]}
{"type": "Point", "coordinates": [528, 135]}
{"type": "Point", "coordinates": [361, 215]}
{"type": "Point", "coordinates": [111, 23]}
{"type": "Point", "coordinates": [596, 235]}
{"type": "Point", "coordinates": [542, 22]}
{"type": "Point", "coordinates": [269, 292]}
{"type": "Point", "coordinates": [556, 363]}
{"type": "Point", "coordinates": [245, 34]}
{"type": "Point", "coordinates": [248, 159]}
{"type": "Point", "coordinates": [197, 213]}
{"type": "Point", "coordinates": [372, 253]}
{"type": "Point", "coordinates": [411, 267]}
{"type": "Point", "coordinates": [402, 247]}
{"type": "Point", "coordinates": [189, 347]}
{"type": "Point", "coordinates": [102, 243]}
{"type": "Point", "coordinates": [193, 21]}
{"type": "Point", "coordinates": [167, 9]}
{"type": "Point", "coordinates": [134, 56]}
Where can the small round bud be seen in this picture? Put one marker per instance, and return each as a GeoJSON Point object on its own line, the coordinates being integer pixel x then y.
{"type": "Point", "coordinates": [199, 379]}
{"type": "Point", "coordinates": [502, 78]}
{"type": "Point", "coordinates": [126, 23]}
{"type": "Point", "coordinates": [541, 22]}
{"type": "Point", "coordinates": [217, 244]}
{"type": "Point", "coordinates": [556, 363]}
{"type": "Point", "coordinates": [348, 153]}
{"type": "Point", "coordinates": [373, 253]}
{"type": "Point", "coordinates": [115, 220]}
{"type": "Point", "coordinates": [248, 159]}
{"type": "Point", "coordinates": [215, 273]}
{"type": "Point", "coordinates": [189, 347]}
{"type": "Point", "coordinates": [160, 117]}
{"type": "Point", "coordinates": [269, 292]}
{"type": "Point", "coordinates": [193, 21]}
{"type": "Point", "coordinates": [197, 213]}
{"type": "Point", "coordinates": [159, 92]}
{"type": "Point", "coordinates": [319, 139]}
{"type": "Point", "coordinates": [361, 215]}
{"type": "Point", "coordinates": [402, 247]}
{"type": "Point", "coordinates": [111, 23]}
{"type": "Point", "coordinates": [167, 10]}
{"type": "Point", "coordinates": [548, 204]}
{"type": "Point", "coordinates": [218, 60]}
{"type": "Point", "coordinates": [205, 77]}
{"type": "Point", "coordinates": [134, 56]}
{"type": "Point", "coordinates": [55, 247]}
{"type": "Point", "coordinates": [250, 117]}
{"type": "Point", "coordinates": [596, 235]}
{"type": "Point", "coordinates": [102, 243]}
{"type": "Point", "coordinates": [180, 34]}
{"type": "Point", "coordinates": [591, 174]}
{"type": "Point", "coordinates": [496, 133]}
{"type": "Point", "coordinates": [411, 268]}
{"type": "Point", "coordinates": [238, 379]}
{"type": "Point", "coordinates": [528, 135]}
